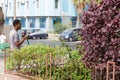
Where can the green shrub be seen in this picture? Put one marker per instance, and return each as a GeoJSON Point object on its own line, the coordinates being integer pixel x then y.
{"type": "Point", "coordinates": [31, 60]}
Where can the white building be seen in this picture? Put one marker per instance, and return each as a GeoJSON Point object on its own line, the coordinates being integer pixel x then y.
{"type": "Point", "coordinates": [39, 14]}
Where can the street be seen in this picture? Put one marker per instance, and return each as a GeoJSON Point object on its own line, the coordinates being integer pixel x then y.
{"type": "Point", "coordinates": [51, 42]}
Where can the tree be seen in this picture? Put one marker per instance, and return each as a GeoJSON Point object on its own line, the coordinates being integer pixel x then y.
{"type": "Point", "coordinates": [1, 19]}
{"type": "Point", "coordinates": [80, 5]}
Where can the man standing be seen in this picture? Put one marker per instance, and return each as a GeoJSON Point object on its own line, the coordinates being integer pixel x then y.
{"type": "Point", "coordinates": [15, 42]}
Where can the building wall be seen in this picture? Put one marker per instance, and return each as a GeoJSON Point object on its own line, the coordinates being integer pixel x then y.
{"type": "Point", "coordinates": [39, 13]}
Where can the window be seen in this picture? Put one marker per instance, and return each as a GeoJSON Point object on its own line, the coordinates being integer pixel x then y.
{"type": "Point", "coordinates": [18, 4]}
{"type": "Point", "coordinates": [7, 21]}
{"type": "Point", "coordinates": [57, 20]}
{"type": "Point", "coordinates": [56, 4]}
{"type": "Point", "coordinates": [42, 22]}
{"type": "Point", "coordinates": [74, 20]}
{"type": "Point", "coordinates": [37, 3]}
{"type": "Point", "coordinates": [32, 22]}
{"type": "Point", "coordinates": [23, 20]}
{"type": "Point", "coordinates": [9, 5]}
{"type": "Point", "coordinates": [27, 4]}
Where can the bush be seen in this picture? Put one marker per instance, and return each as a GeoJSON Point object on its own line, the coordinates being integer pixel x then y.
{"type": "Point", "coordinates": [31, 60]}
{"type": "Point", "coordinates": [100, 26]}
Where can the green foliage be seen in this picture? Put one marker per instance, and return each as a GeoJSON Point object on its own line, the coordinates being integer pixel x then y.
{"type": "Point", "coordinates": [59, 28]}
{"type": "Point", "coordinates": [31, 60]}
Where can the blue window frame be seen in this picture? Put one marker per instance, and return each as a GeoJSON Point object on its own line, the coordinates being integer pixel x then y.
{"type": "Point", "coordinates": [74, 20]}
{"type": "Point", "coordinates": [57, 20]}
{"type": "Point", "coordinates": [32, 22]}
{"type": "Point", "coordinates": [42, 22]}
{"type": "Point", "coordinates": [23, 22]}
{"type": "Point", "coordinates": [7, 21]}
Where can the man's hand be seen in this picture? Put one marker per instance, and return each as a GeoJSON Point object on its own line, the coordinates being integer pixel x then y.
{"type": "Point", "coordinates": [18, 43]}
{"type": "Point", "coordinates": [26, 37]}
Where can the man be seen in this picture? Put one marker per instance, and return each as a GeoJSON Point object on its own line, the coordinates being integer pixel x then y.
{"type": "Point", "coordinates": [15, 42]}
{"type": "Point", "coordinates": [2, 38]}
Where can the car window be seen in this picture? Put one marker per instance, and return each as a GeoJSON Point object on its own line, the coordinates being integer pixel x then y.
{"type": "Point", "coordinates": [38, 30]}
{"type": "Point", "coordinates": [68, 30]}
{"type": "Point", "coordinates": [78, 30]}
{"type": "Point", "coordinates": [74, 31]}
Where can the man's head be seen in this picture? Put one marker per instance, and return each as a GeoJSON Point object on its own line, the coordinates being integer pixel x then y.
{"type": "Point", "coordinates": [17, 24]}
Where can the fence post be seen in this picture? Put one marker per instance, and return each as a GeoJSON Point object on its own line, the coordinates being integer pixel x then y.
{"type": "Point", "coordinates": [113, 63]}
{"type": "Point", "coordinates": [4, 60]}
{"type": "Point", "coordinates": [50, 66]}
{"type": "Point", "coordinates": [46, 65]}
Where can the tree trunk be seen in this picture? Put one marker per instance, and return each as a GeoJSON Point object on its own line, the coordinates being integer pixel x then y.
{"type": "Point", "coordinates": [79, 9]}
{"type": "Point", "coordinates": [78, 21]}
{"type": "Point", "coordinates": [1, 20]}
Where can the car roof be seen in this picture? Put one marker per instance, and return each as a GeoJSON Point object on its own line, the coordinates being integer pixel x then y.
{"type": "Point", "coordinates": [77, 28]}
{"type": "Point", "coordinates": [74, 28]}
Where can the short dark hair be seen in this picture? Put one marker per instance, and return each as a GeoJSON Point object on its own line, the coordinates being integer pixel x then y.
{"type": "Point", "coordinates": [16, 21]}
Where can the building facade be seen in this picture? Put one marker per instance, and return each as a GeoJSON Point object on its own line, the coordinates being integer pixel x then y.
{"type": "Point", "coordinates": [39, 14]}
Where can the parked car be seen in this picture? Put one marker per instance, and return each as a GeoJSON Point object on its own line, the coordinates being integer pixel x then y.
{"type": "Point", "coordinates": [28, 31]}
{"type": "Point", "coordinates": [38, 35]}
{"type": "Point", "coordinates": [71, 34]}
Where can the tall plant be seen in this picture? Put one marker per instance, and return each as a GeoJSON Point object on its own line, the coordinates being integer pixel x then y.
{"type": "Point", "coordinates": [80, 5]}
{"type": "Point", "coordinates": [101, 25]}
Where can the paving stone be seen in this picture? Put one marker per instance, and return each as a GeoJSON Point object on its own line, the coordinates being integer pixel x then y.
{"type": "Point", "coordinates": [11, 77]}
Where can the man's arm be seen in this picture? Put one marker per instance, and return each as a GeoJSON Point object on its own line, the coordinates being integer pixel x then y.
{"type": "Point", "coordinates": [18, 43]}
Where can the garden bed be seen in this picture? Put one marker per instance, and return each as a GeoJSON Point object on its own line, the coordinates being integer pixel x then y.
{"type": "Point", "coordinates": [49, 63]}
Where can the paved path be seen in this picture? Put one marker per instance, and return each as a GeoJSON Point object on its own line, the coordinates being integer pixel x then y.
{"type": "Point", "coordinates": [10, 77]}
{"type": "Point", "coordinates": [1, 64]}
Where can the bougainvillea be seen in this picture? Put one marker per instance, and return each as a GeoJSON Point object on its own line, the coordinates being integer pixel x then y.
{"type": "Point", "coordinates": [101, 28]}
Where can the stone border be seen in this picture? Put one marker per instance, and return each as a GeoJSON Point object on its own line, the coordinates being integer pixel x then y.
{"type": "Point", "coordinates": [27, 76]}
{"type": "Point", "coordinates": [12, 77]}
{"type": "Point", "coordinates": [23, 75]}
